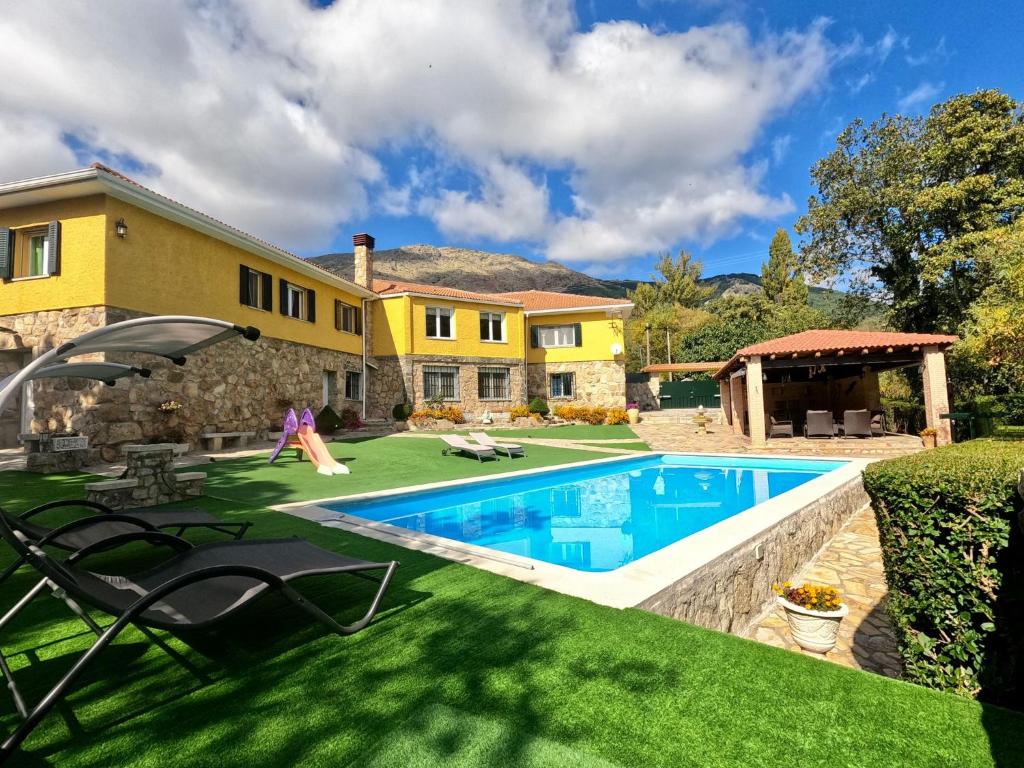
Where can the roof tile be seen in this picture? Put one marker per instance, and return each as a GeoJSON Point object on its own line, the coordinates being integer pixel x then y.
{"type": "Point", "coordinates": [534, 300]}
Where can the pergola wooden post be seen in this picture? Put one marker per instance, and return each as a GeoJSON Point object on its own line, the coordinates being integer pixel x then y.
{"type": "Point", "coordinates": [755, 402]}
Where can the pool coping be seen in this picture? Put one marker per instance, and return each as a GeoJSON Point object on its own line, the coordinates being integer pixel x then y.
{"type": "Point", "coordinates": [627, 586]}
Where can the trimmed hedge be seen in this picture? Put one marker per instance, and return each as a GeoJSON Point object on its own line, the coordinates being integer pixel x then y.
{"type": "Point", "coordinates": [948, 521]}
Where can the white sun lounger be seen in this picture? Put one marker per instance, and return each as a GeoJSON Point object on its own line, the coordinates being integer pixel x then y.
{"type": "Point", "coordinates": [509, 448]}
{"type": "Point", "coordinates": [461, 445]}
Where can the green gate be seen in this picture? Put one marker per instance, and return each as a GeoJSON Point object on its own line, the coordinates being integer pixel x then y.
{"type": "Point", "coordinates": [690, 394]}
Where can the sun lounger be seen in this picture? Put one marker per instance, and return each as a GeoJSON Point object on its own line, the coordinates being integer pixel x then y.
{"type": "Point", "coordinates": [819, 424]}
{"type": "Point", "coordinates": [197, 588]}
{"type": "Point", "coordinates": [459, 444]}
{"type": "Point", "coordinates": [104, 523]}
{"type": "Point", "coordinates": [856, 424]}
{"type": "Point", "coordinates": [510, 449]}
{"type": "Point", "coordinates": [780, 427]}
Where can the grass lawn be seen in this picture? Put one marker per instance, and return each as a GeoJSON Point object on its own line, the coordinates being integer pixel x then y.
{"type": "Point", "coordinates": [377, 463]}
{"type": "Point", "coordinates": [463, 668]}
{"type": "Point", "coordinates": [568, 432]}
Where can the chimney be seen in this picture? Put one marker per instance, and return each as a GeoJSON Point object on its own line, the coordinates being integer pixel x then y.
{"type": "Point", "coordinates": [364, 259]}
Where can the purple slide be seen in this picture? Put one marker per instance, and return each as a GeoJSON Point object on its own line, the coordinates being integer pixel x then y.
{"type": "Point", "coordinates": [291, 427]}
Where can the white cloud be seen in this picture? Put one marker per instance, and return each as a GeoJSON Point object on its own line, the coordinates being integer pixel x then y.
{"type": "Point", "coordinates": [922, 94]}
{"type": "Point", "coordinates": [278, 117]}
{"type": "Point", "coordinates": [780, 147]}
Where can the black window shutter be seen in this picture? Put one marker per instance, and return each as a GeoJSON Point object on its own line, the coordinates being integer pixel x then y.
{"type": "Point", "coordinates": [53, 248]}
{"type": "Point", "coordinates": [268, 292]}
{"type": "Point", "coordinates": [311, 305]}
{"type": "Point", "coordinates": [243, 285]}
{"type": "Point", "coordinates": [485, 326]}
{"type": "Point", "coordinates": [359, 320]}
{"type": "Point", "coordinates": [283, 295]}
{"type": "Point", "coordinates": [6, 254]}
{"type": "Point", "coordinates": [337, 315]}
{"type": "Point", "coordinates": [534, 336]}
{"type": "Point", "coordinates": [578, 331]}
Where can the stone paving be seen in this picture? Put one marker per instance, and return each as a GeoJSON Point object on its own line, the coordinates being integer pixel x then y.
{"type": "Point", "coordinates": [852, 563]}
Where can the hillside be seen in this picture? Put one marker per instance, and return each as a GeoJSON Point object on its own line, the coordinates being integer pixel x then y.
{"type": "Point", "coordinates": [486, 272]}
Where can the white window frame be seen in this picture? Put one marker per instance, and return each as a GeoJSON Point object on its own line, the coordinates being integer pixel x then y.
{"type": "Point", "coordinates": [256, 296]}
{"type": "Point", "coordinates": [442, 370]}
{"type": "Point", "coordinates": [299, 292]}
{"type": "Point", "coordinates": [342, 308]}
{"type": "Point", "coordinates": [561, 375]}
{"type": "Point", "coordinates": [490, 318]}
{"type": "Point", "coordinates": [492, 370]}
{"type": "Point", "coordinates": [356, 376]}
{"type": "Point", "coordinates": [437, 311]}
{"type": "Point", "coordinates": [541, 329]}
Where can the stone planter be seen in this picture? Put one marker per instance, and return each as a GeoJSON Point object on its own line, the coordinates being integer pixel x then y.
{"type": "Point", "coordinates": [929, 440]}
{"type": "Point", "coordinates": [813, 630]}
{"type": "Point", "coordinates": [634, 415]}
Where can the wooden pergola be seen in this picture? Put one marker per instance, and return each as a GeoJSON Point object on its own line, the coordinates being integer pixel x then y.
{"type": "Point", "coordinates": [829, 370]}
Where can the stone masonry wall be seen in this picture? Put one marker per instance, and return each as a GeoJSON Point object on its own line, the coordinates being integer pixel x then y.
{"type": "Point", "coordinates": [234, 386]}
{"type": "Point", "coordinates": [598, 382]}
{"type": "Point", "coordinates": [730, 592]}
{"type": "Point", "coordinates": [645, 393]}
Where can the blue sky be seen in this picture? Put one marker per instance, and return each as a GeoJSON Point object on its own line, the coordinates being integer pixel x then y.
{"type": "Point", "coordinates": [598, 133]}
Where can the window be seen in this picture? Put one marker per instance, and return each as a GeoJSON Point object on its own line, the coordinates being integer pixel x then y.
{"type": "Point", "coordinates": [492, 326]}
{"type": "Point", "coordinates": [353, 385]}
{"type": "Point", "coordinates": [298, 302]}
{"type": "Point", "coordinates": [255, 288]}
{"type": "Point", "coordinates": [30, 252]}
{"type": "Point", "coordinates": [493, 383]}
{"type": "Point", "coordinates": [562, 384]}
{"type": "Point", "coordinates": [440, 380]}
{"type": "Point", "coordinates": [548, 336]}
{"type": "Point", "coordinates": [348, 318]}
{"type": "Point", "coordinates": [439, 323]}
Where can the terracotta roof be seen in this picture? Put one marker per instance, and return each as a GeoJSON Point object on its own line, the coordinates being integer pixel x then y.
{"type": "Point", "coordinates": [826, 341]}
{"type": "Point", "coordinates": [387, 287]}
{"type": "Point", "coordinates": [128, 180]}
{"type": "Point", "coordinates": [681, 367]}
{"type": "Point", "coordinates": [535, 301]}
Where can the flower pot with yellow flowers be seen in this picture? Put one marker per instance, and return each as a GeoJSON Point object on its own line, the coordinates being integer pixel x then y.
{"type": "Point", "coordinates": [814, 613]}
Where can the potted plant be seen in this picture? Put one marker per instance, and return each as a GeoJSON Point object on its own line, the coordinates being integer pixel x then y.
{"type": "Point", "coordinates": [633, 411]}
{"type": "Point", "coordinates": [928, 435]}
{"type": "Point", "coordinates": [814, 613]}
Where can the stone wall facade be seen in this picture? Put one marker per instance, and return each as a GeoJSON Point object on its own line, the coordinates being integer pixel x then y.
{"type": "Point", "coordinates": [233, 386]}
{"type": "Point", "coordinates": [646, 394]}
{"type": "Point", "coordinates": [729, 593]}
{"type": "Point", "coordinates": [399, 379]}
{"type": "Point", "coordinates": [598, 382]}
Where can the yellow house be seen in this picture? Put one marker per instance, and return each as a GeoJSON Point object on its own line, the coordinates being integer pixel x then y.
{"type": "Point", "coordinates": [87, 248]}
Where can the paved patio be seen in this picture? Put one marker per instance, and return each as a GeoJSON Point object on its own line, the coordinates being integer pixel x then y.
{"type": "Point", "coordinates": [852, 563]}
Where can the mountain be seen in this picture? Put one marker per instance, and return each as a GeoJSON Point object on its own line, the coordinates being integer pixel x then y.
{"type": "Point", "coordinates": [487, 272]}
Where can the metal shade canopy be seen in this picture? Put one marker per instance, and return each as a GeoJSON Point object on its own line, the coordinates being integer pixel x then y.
{"type": "Point", "coordinates": [108, 373]}
{"type": "Point", "coordinates": [171, 336]}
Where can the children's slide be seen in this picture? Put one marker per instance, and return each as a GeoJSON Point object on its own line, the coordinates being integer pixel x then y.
{"type": "Point", "coordinates": [302, 434]}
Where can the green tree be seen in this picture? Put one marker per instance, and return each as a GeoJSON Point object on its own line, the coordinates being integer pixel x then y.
{"type": "Point", "coordinates": [781, 278]}
{"type": "Point", "coordinates": [903, 198]}
{"type": "Point", "coordinates": [679, 282]}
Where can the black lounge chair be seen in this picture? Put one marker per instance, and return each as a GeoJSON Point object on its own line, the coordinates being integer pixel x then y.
{"type": "Point", "coordinates": [819, 424]}
{"type": "Point", "coordinates": [197, 588]}
{"type": "Point", "coordinates": [780, 427]}
{"type": "Point", "coordinates": [86, 531]}
{"type": "Point", "coordinates": [856, 424]}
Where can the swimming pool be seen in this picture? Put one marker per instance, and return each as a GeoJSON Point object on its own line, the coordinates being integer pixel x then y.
{"type": "Point", "coordinates": [593, 518]}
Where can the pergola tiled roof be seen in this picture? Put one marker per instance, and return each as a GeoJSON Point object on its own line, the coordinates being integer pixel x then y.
{"type": "Point", "coordinates": [833, 342]}
{"type": "Point", "coordinates": [681, 367]}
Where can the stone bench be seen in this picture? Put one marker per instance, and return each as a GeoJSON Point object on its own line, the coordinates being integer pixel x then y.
{"type": "Point", "coordinates": [215, 441]}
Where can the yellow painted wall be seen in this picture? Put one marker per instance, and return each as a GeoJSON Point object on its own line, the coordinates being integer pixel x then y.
{"type": "Point", "coordinates": [165, 268]}
{"type": "Point", "coordinates": [600, 332]}
{"type": "Point", "coordinates": [80, 282]}
{"type": "Point", "coordinates": [406, 318]}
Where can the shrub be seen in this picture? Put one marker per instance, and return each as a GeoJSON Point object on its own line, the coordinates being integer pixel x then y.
{"type": "Point", "coordinates": [905, 416]}
{"type": "Point", "coordinates": [952, 551]}
{"type": "Point", "coordinates": [327, 421]}
{"type": "Point", "coordinates": [519, 412]}
{"type": "Point", "coordinates": [445, 412]}
{"type": "Point", "coordinates": [586, 414]}
{"type": "Point", "coordinates": [813, 597]}
{"type": "Point", "coordinates": [350, 419]}
{"type": "Point", "coordinates": [617, 416]}
{"type": "Point", "coordinates": [539, 405]}
{"type": "Point", "coordinates": [401, 412]}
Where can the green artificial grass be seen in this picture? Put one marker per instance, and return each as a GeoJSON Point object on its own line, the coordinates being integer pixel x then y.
{"type": "Point", "coordinates": [377, 464]}
{"type": "Point", "coordinates": [567, 432]}
{"type": "Point", "coordinates": [463, 667]}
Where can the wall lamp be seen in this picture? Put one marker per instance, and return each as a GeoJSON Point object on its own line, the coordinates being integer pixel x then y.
{"type": "Point", "coordinates": [121, 229]}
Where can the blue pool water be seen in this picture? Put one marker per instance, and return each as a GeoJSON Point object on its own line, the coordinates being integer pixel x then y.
{"type": "Point", "coordinates": [594, 518]}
